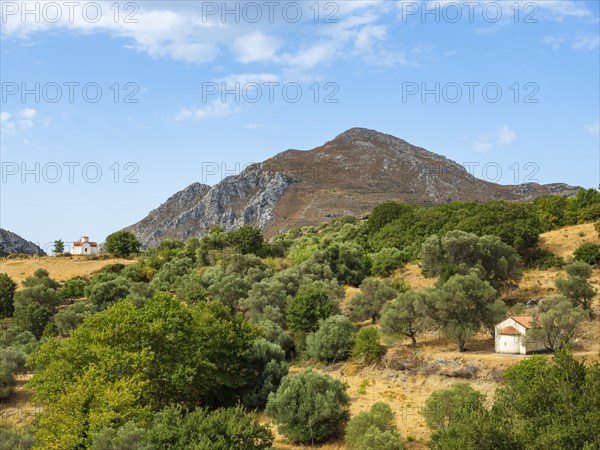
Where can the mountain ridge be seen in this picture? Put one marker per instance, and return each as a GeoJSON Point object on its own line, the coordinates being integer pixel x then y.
{"type": "Point", "coordinates": [350, 174]}
{"type": "Point", "coordinates": [13, 243]}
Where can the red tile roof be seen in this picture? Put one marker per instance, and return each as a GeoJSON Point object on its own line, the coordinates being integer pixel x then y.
{"type": "Point", "coordinates": [509, 331]}
{"type": "Point", "coordinates": [526, 321]}
{"type": "Point", "coordinates": [79, 244]}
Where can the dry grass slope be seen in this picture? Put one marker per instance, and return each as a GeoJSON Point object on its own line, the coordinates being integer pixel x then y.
{"type": "Point", "coordinates": [61, 269]}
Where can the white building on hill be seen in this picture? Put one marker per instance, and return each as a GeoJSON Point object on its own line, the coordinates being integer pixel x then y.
{"type": "Point", "coordinates": [511, 336]}
{"type": "Point", "coordinates": [84, 247]}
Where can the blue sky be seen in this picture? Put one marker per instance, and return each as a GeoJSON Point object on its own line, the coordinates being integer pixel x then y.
{"type": "Point", "coordinates": [136, 100]}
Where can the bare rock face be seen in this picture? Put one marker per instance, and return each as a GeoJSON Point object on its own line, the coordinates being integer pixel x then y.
{"type": "Point", "coordinates": [13, 243]}
{"type": "Point", "coordinates": [350, 174]}
{"type": "Point", "coordinates": [245, 199]}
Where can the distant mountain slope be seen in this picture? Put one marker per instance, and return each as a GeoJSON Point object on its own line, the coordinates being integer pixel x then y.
{"type": "Point", "coordinates": [13, 243]}
{"type": "Point", "coordinates": [350, 174]}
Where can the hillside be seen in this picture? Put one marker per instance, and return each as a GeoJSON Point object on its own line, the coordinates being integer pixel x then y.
{"type": "Point", "coordinates": [405, 378]}
{"type": "Point", "coordinates": [13, 243]}
{"type": "Point", "coordinates": [61, 268]}
{"type": "Point", "coordinates": [350, 174]}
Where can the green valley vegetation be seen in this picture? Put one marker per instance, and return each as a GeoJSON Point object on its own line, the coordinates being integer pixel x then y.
{"type": "Point", "coordinates": [182, 347]}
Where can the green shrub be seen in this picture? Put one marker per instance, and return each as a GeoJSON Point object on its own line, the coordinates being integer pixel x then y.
{"type": "Point", "coordinates": [333, 341]}
{"type": "Point", "coordinates": [544, 259]}
{"type": "Point", "coordinates": [7, 380]}
{"type": "Point", "coordinates": [221, 429]}
{"type": "Point", "coordinates": [16, 439]}
{"type": "Point", "coordinates": [73, 288]}
{"type": "Point", "coordinates": [447, 406]}
{"type": "Point", "coordinates": [384, 262]}
{"type": "Point", "coordinates": [128, 436]}
{"type": "Point", "coordinates": [309, 407]}
{"type": "Point", "coordinates": [7, 293]}
{"type": "Point", "coordinates": [313, 302]}
{"type": "Point", "coordinates": [267, 367]}
{"type": "Point", "coordinates": [373, 295]}
{"type": "Point", "coordinates": [588, 253]}
{"type": "Point", "coordinates": [374, 430]}
{"type": "Point", "coordinates": [367, 347]}
{"type": "Point", "coordinates": [597, 227]}
{"type": "Point", "coordinates": [70, 318]}
{"type": "Point", "coordinates": [122, 244]}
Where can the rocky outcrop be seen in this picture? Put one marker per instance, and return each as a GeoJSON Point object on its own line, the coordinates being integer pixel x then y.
{"type": "Point", "coordinates": [350, 174]}
{"type": "Point", "coordinates": [245, 199]}
{"type": "Point", "coordinates": [13, 243]}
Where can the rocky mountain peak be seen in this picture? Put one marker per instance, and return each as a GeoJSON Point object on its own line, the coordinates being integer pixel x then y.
{"type": "Point", "coordinates": [350, 174]}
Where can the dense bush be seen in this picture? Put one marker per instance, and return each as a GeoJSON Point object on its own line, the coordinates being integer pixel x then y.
{"type": "Point", "coordinates": [7, 380]}
{"type": "Point", "coordinates": [445, 407]}
{"type": "Point", "coordinates": [73, 288]}
{"type": "Point", "coordinates": [137, 360]}
{"type": "Point", "coordinates": [309, 408]}
{"type": "Point", "coordinates": [267, 367]}
{"type": "Point", "coordinates": [373, 295]}
{"type": "Point", "coordinates": [544, 259]}
{"type": "Point", "coordinates": [459, 252]}
{"type": "Point", "coordinates": [367, 347]}
{"type": "Point", "coordinates": [514, 223]}
{"type": "Point", "coordinates": [103, 294]}
{"type": "Point", "coordinates": [374, 430]}
{"type": "Point", "coordinates": [171, 273]}
{"type": "Point", "coordinates": [16, 439]}
{"type": "Point", "coordinates": [588, 253]}
{"type": "Point", "coordinates": [313, 302]}
{"type": "Point", "coordinates": [333, 341]}
{"type": "Point", "coordinates": [543, 404]}
{"type": "Point", "coordinates": [33, 317]}
{"type": "Point", "coordinates": [384, 262]}
{"type": "Point", "coordinates": [246, 240]}
{"type": "Point", "coordinates": [7, 293]}
{"type": "Point", "coordinates": [122, 244]}
{"type": "Point", "coordinates": [70, 318]}
{"type": "Point", "coordinates": [265, 301]}
{"type": "Point", "coordinates": [222, 429]}
{"type": "Point", "coordinates": [40, 277]}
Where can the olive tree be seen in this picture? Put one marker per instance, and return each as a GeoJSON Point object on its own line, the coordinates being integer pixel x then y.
{"type": "Point", "coordinates": [406, 316]}
{"type": "Point", "coordinates": [459, 252]}
{"type": "Point", "coordinates": [309, 408]}
{"type": "Point", "coordinates": [333, 340]}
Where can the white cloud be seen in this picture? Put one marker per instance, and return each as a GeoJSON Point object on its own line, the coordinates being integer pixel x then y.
{"type": "Point", "coordinates": [27, 113]}
{"type": "Point", "coordinates": [350, 30]}
{"type": "Point", "coordinates": [215, 109]}
{"type": "Point", "coordinates": [588, 42]}
{"type": "Point", "coordinates": [560, 9]}
{"type": "Point", "coordinates": [20, 120]}
{"type": "Point", "coordinates": [255, 47]}
{"type": "Point", "coordinates": [482, 146]}
{"type": "Point", "coordinates": [369, 35]}
{"type": "Point", "coordinates": [246, 78]}
{"type": "Point", "coordinates": [581, 42]}
{"type": "Point", "coordinates": [554, 41]}
{"type": "Point", "coordinates": [503, 135]}
{"type": "Point", "coordinates": [506, 135]}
